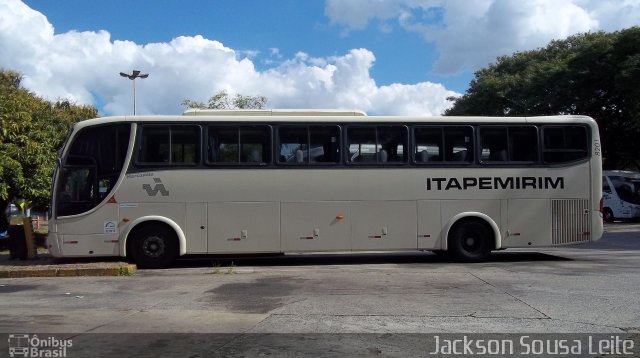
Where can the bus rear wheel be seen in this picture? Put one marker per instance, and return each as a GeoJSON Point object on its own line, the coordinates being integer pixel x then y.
{"type": "Point", "coordinates": [154, 246]}
{"type": "Point", "coordinates": [470, 241]}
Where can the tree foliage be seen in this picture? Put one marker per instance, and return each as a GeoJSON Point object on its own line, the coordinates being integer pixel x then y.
{"type": "Point", "coordinates": [594, 74]}
{"type": "Point", "coordinates": [31, 131]}
{"type": "Point", "coordinates": [222, 100]}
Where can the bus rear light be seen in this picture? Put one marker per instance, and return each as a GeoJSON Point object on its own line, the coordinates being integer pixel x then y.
{"type": "Point", "coordinates": [601, 206]}
{"type": "Point", "coordinates": [112, 200]}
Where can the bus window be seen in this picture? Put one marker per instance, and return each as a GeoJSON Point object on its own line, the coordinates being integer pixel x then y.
{"type": "Point", "coordinates": [324, 144]}
{"type": "Point", "coordinates": [248, 145]}
{"type": "Point", "coordinates": [458, 144]}
{"type": "Point", "coordinates": [494, 144]}
{"type": "Point", "coordinates": [523, 144]}
{"type": "Point", "coordinates": [255, 145]}
{"type": "Point", "coordinates": [393, 140]}
{"type": "Point", "coordinates": [223, 145]}
{"type": "Point", "coordinates": [293, 144]}
{"type": "Point", "coordinates": [512, 144]}
{"type": "Point", "coordinates": [377, 144]}
{"type": "Point", "coordinates": [169, 145]}
{"type": "Point", "coordinates": [443, 144]}
{"type": "Point", "coordinates": [428, 144]}
{"type": "Point", "coordinates": [562, 144]}
{"type": "Point", "coordinates": [185, 145]}
{"type": "Point", "coordinates": [309, 144]}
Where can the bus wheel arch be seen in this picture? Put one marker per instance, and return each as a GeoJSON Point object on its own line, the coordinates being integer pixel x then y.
{"type": "Point", "coordinates": [470, 237]}
{"type": "Point", "coordinates": [154, 242]}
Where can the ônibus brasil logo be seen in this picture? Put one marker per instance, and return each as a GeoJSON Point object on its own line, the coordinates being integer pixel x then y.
{"type": "Point", "coordinates": [24, 345]}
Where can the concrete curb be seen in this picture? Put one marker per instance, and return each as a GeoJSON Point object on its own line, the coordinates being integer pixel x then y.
{"type": "Point", "coordinates": [66, 270]}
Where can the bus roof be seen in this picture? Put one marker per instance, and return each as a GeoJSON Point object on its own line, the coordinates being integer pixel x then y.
{"type": "Point", "coordinates": [273, 112]}
{"type": "Point", "coordinates": [322, 116]}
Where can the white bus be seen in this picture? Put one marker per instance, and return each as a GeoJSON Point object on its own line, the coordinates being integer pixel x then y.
{"type": "Point", "coordinates": [153, 188]}
{"type": "Point", "coordinates": [621, 195]}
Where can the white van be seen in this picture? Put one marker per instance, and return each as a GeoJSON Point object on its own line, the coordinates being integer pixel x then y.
{"type": "Point", "coordinates": [621, 195]}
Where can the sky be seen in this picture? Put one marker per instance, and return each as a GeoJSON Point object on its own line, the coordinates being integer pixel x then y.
{"type": "Point", "coordinates": [385, 57]}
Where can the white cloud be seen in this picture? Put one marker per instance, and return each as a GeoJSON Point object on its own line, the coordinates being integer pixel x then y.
{"type": "Point", "coordinates": [84, 67]}
{"type": "Point", "coordinates": [470, 34]}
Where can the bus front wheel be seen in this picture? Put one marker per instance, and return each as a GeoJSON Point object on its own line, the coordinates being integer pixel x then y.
{"type": "Point", "coordinates": [154, 246]}
{"type": "Point", "coordinates": [471, 241]}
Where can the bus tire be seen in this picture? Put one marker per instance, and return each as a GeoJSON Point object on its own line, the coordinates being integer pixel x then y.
{"type": "Point", "coordinates": [154, 246]}
{"type": "Point", "coordinates": [471, 240]}
{"type": "Point", "coordinates": [607, 215]}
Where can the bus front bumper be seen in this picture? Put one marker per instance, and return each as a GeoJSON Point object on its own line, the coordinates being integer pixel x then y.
{"type": "Point", "coordinates": [53, 244]}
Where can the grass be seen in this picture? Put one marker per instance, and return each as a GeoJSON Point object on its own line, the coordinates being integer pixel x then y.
{"type": "Point", "coordinates": [218, 269]}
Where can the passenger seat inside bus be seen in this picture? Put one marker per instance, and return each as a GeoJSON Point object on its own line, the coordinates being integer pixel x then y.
{"type": "Point", "coordinates": [460, 156]}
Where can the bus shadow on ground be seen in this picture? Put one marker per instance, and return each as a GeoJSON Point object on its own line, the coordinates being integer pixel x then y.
{"type": "Point", "coordinates": [320, 259]}
{"type": "Point", "coordinates": [194, 261]}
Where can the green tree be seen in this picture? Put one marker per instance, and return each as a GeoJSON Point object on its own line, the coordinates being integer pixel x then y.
{"type": "Point", "coordinates": [594, 74]}
{"type": "Point", "coordinates": [31, 131]}
{"type": "Point", "coordinates": [222, 100]}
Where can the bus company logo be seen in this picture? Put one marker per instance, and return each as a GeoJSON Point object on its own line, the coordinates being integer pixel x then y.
{"type": "Point", "coordinates": [495, 183]}
{"type": "Point", "coordinates": [23, 345]}
{"type": "Point", "coordinates": [158, 188]}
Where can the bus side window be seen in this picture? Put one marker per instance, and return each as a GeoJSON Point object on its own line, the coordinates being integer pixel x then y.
{"type": "Point", "coordinates": [308, 144]}
{"type": "Point", "coordinates": [458, 144]}
{"type": "Point", "coordinates": [523, 144]}
{"type": "Point", "coordinates": [185, 144]}
{"type": "Point", "coordinates": [392, 141]}
{"type": "Point", "coordinates": [169, 145]}
{"type": "Point", "coordinates": [293, 144]}
{"type": "Point", "coordinates": [232, 145]}
{"type": "Point", "coordinates": [324, 146]}
{"type": "Point", "coordinates": [494, 144]}
{"type": "Point", "coordinates": [377, 144]}
{"type": "Point", "coordinates": [563, 144]}
{"type": "Point", "coordinates": [428, 144]}
{"type": "Point", "coordinates": [255, 145]}
{"type": "Point", "coordinates": [155, 145]}
{"type": "Point", "coordinates": [509, 144]}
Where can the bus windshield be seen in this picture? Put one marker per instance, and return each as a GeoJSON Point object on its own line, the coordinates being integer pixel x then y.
{"type": "Point", "coordinates": [90, 168]}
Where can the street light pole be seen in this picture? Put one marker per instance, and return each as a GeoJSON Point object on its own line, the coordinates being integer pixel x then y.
{"type": "Point", "coordinates": [132, 77]}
